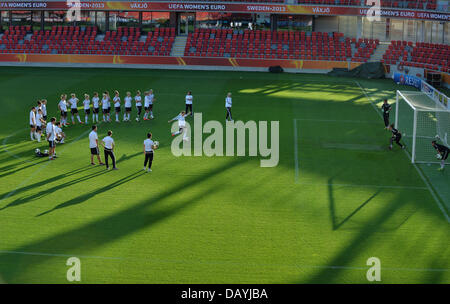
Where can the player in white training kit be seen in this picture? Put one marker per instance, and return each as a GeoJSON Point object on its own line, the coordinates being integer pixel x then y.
{"type": "Point", "coordinates": [39, 122]}
{"type": "Point", "coordinates": [93, 146]}
{"type": "Point", "coordinates": [189, 99]}
{"type": "Point", "coordinates": [95, 107]}
{"type": "Point", "coordinates": [60, 135]}
{"type": "Point", "coordinates": [105, 107]}
{"type": "Point", "coordinates": [86, 107]}
{"type": "Point", "coordinates": [149, 146]}
{"type": "Point", "coordinates": [62, 106]}
{"type": "Point", "coordinates": [33, 134]}
{"type": "Point", "coordinates": [44, 108]}
{"type": "Point", "coordinates": [228, 104]}
{"type": "Point", "coordinates": [128, 99]}
{"type": "Point", "coordinates": [181, 124]}
{"type": "Point", "coordinates": [116, 100]}
{"type": "Point", "coordinates": [148, 104]}
{"type": "Point", "coordinates": [74, 108]}
{"type": "Point", "coordinates": [51, 136]}
{"type": "Point", "coordinates": [138, 100]}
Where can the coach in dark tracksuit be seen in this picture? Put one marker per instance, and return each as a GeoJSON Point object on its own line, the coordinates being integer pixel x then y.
{"type": "Point", "coordinates": [386, 108]}
{"type": "Point", "coordinates": [108, 144]}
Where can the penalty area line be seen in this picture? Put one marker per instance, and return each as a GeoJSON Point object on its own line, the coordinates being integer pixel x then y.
{"type": "Point", "coordinates": [427, 184]}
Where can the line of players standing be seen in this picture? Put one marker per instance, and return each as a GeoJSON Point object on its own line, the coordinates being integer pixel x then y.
{"type": "Point", "coordinates": [54, 133]}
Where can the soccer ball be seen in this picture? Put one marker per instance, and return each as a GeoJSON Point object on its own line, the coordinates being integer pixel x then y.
{"type": "Point", "coordinates": [156, 144]}
{"type": "Point", "coordinates": [46, 152]}
{"type": "Point", "coordinates": [137, 119]}
{"type": "Point", "coordinates": [37, 151]}
{"type": "Point", "coordinates": [438, 156]}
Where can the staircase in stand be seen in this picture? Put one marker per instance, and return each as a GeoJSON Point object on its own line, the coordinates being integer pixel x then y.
{"type": "Point", "coordinates": [179, 46]}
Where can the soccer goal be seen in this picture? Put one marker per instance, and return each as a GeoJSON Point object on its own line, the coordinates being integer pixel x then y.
{"type": "Point", "coordinates": [421, 120]}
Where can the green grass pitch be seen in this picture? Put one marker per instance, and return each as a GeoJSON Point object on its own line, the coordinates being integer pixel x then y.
{"type": "Point", "coordinates": [336, 198]}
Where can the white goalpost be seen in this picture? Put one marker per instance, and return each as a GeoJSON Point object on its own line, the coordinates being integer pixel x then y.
{"type": "Point", "coordinates": [421, 120]}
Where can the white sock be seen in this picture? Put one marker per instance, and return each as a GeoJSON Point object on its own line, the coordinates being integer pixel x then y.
{"type": "Point", "coordinates": [79, 119]}
{"type": "Point", "coordinates": [86, 119]}
{"type": "Point", "coordinates": [31, 135]}
{"type": "Point", "coordinates": [117, 117]}
{"type": "Point", "coordinates": [73, 120]}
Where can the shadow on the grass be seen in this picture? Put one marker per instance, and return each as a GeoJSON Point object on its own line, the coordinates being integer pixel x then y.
{"type": "Point", "coordinates": [352, 250]}
{"type": "Point", "coordinates": [334, 219]}
{"type": "Point", "coordinates": [12, 168]}
{"type": "Point", "coordinates": [39, 195]}
{"type": "Point", "coordinates": [84, 197]}
{"type": "Point", "coordinates": [109, 229]}
{"type": "Point", "coordinates": [57, 178]}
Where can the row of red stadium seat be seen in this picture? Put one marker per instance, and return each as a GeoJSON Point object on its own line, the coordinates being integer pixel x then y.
{"type": "Point", "coordinates": [278, 45]}
{"type": "Point", "coordinates": [73, 40]}
{"type": "Point", "coordinates": [422, 55]}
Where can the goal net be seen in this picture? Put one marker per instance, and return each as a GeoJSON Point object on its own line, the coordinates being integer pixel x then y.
{"type": "Point", "coordinates": [421, 120]}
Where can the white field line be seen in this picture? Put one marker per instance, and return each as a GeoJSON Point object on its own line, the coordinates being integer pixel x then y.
{"type": "Point", "coordinates": [338, 120]}
{"type": "Point", "coordinates": [363, 186]}
{"type": "Point", "coordinates": [430, 189]}
{"type": "Point", "coordinates": [5, 140]}
{"type": "Point", "coordinates": [222, 262]}
{"type": "Point", "coordinates": [40, 167]}
{"type": "Point", "coordinates": [333, 184]}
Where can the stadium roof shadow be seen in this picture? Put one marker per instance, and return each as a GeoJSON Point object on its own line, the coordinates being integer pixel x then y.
{"type": "Point", "coordinates": [98, 233]}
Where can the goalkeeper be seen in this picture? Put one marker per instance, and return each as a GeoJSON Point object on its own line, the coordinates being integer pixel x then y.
{"type": "Point", "coordinates": [396, 136]}
{"type": "Point", "coordinates": [386, 108]}
{"type": "Point", "coordinates": [442, 151]}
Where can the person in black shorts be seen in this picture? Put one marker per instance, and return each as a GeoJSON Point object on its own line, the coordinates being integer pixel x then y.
{"type": "Point", "coordinates": [44, 109]}
{"type": "Point", "coordinates": [93, 145]}
{"type": "Point", "coordinates": [386, 108]}
{"type": "Point", "coordinates": [109, 145]}
{"type": "Point", "coordinates": [138, 100]}
{"type": "Point", "coordinates": [442, 151]}
{"type": "Point", "coordinates": [396, 136]}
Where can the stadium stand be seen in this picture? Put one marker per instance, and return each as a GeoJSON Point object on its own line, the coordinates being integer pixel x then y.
{"type": "Point", "coordinates": [203, 42]}
{"type": "Point", "coordinates": [423, 55]}
{"type": "Point", "coordinates": [278, 45]}
{"type": "Point", "coordinates": [77, 40]}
